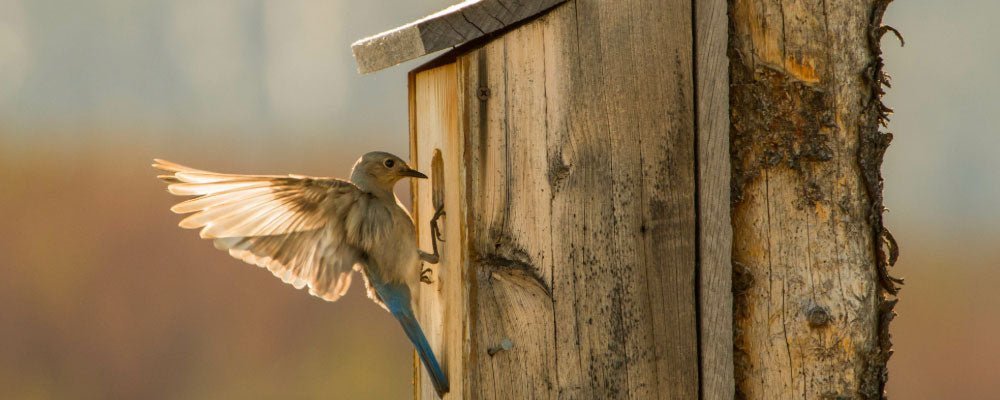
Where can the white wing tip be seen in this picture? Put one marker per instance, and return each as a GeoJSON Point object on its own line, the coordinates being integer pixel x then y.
{"type": "Point", "coordinates": [206, 234]}
{"type": "Point", "coordinates": [186, 224]}
{"type": "Point", "coordinates": [329, 296]}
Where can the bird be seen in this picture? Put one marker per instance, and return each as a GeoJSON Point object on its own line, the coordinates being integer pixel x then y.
{"type": "Point", "coordinates": [314, 232]}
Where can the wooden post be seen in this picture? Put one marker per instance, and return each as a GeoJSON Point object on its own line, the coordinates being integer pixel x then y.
{"type": "Point", "coordinates": [811, 286]}
{"type": "Point", "coordinates": [576, 148]}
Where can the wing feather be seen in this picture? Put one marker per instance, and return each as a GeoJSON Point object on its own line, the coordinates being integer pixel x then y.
{"type": "Point", "coordinates": [307, 231]}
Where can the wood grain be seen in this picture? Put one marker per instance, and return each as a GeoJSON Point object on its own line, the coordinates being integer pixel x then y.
{"type": "Point", "coordinates": [715, 308]}
{"type": "Point", "coordinates": [510, 217]}
{"type": "Point", "coordinates": [442, 306]}
{"type": "Point", "coordinates": [629, 150]}
{"type": "Point", "coordinates": [807, 295]}
{"type": "Point", "coordinates": [450, 27]}
{"type": "Point", "coordinates": [580, 169]}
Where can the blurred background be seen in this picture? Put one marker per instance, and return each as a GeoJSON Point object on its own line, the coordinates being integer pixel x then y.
{"type": "Point", "coordinates": [104, 297]}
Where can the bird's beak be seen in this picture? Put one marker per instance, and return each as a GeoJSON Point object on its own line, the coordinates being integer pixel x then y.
{"type": "Point", "coordinates": [412, 173]}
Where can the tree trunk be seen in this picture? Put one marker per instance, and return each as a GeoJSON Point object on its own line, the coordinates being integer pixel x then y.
{"type": "Point", "coordinates": [811, 291]}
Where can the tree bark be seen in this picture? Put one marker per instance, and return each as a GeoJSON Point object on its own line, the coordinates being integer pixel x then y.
{"type": "Point", "coordinates": [811, 292]}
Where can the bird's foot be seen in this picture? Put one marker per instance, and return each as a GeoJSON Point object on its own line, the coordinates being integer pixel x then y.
{"type": "Point", "coordinates": [435, 229]}
{"type": "Point", "coordinates": [433, 258]}
{"type": "Point", "coordinates": [425, 276]}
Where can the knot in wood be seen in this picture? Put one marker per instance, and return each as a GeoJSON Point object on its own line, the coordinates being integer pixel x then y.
{"type": "Point", "coordinates": [818, 316]}
{"type": "Point", "coordinates": [742, 278]}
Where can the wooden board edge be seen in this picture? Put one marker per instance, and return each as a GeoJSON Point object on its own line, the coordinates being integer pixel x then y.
{"type": "Point", "coordinates": [453, 26]}
{"type": "Point", "coordinates": [411, 89]}
{"type": "Point", "coordinates": [715, 241]}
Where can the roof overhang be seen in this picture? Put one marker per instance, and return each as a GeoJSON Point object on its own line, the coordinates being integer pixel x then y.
{"type": "Point", "coordinates": [450, 27]}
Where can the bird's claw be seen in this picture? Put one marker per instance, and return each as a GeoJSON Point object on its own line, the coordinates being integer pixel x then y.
{"type": "Point", "coordinates": [435, 257]}
{"type": "Point", "coordinates": [425, 276]}
{"type": "Point", "coordinates": [435, 229]}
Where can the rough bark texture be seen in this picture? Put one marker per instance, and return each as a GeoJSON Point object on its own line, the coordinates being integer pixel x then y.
{"type": "Point", "coordinates": [811, 290]}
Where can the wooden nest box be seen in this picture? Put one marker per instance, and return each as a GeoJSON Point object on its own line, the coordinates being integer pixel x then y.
{"type": "Point", "coordinates": [584, 168]}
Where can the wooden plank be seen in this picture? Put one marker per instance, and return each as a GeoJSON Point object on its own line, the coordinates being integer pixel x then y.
{"type": "Point", "coordinates": [715, 299]}
{"type": "Point", "coordinates": [630, 148]}
{"type": "Point", "coordinates": [441, 306]}
{"type": "Point", "coordinates": [582, 204]}
{"type": "Point", "coordinates": [510, 217]}
{"type": "Point", "coordinates": [450, 27]}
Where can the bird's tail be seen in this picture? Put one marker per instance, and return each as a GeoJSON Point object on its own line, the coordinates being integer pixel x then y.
{"type": "Point", "coordinates": [416, 335]}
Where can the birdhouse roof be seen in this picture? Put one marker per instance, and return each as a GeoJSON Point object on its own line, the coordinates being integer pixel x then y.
{"type": "Point", "coordinates": [453, 26]}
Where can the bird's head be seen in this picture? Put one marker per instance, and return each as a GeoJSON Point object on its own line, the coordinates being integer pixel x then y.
{"type": "Point", "coordinates": [381, 170]}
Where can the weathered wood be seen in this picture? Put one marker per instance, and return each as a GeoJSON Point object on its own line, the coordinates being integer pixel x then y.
{"type": "Point", "coordinates": [450, 27]}
{"type": "Point", "coordinates": [807, 294]}
{"type": "Point", "coordinates": [442, 306]}
{"type": "Point", "coordinates": [715, 308]}
{"type": "Point", "coordinates": [580, 217]}
{"type": "Point", "coordinates": [511, 218]}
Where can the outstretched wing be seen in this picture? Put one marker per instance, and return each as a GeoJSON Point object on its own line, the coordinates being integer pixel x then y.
{"type": "Point", "coordinates": [298, 227]}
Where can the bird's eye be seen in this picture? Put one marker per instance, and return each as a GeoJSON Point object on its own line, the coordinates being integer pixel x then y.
{"type": "Point", "coordinates": [389, 163]}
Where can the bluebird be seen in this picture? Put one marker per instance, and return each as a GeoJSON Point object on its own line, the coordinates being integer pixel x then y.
{"type": "Point", "coordinates": [313, 232]}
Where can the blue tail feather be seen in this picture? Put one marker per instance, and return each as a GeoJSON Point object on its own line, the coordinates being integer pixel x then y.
{"type": "Point", "coordinates": [397, 300]}
{"type": "Point", "coordinates": [416, 336]}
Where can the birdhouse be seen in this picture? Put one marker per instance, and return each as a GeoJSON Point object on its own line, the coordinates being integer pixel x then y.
{"type": "Point", "coordinates": [580, 151]}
